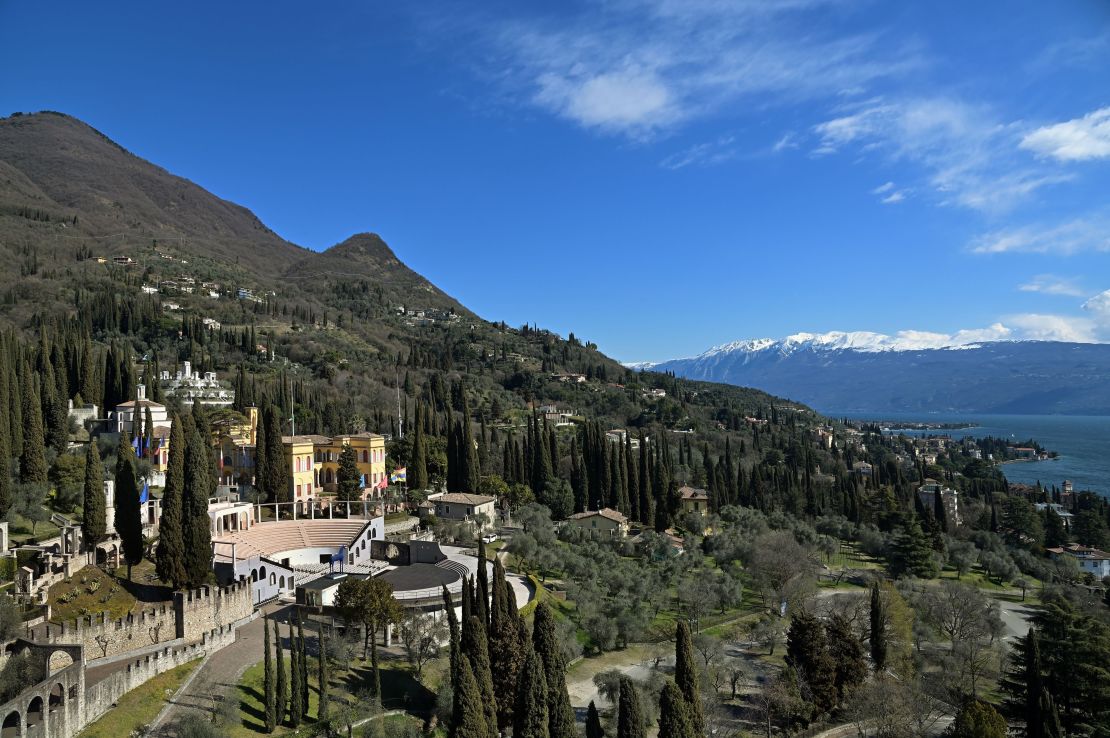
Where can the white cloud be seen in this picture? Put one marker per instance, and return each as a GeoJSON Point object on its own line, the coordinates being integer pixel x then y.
{"type": "Point", "coordinates": [1078, 139]}
{"type": "Point", "coordinates": [967, 154]}
{"type": "Point", "coordinates": [883, 189]}
{"type": "Point", "coordinates": [1098, 307]}
{"type": "Point", "coordinates": [703, 154]}
{"type": "Point", "coordinates": [1049, 284]}
{"type": "Point", "coordinates": [642, 67]}
{"type": "Point", "coordinates": [1081, 234]}
{"type": "Point", "coordinates": [1038, 327]}
{"type": "Point", "coordinates": [788, 140]}
{"type": "Point", "coordinates": [893, 197]}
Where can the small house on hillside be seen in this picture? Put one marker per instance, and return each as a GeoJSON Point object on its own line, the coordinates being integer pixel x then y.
{"type": "Point", "coordinates": [605, 522]}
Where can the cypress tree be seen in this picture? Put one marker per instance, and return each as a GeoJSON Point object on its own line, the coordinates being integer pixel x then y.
{"type": "Point", "coordinates": [129, 524]}
{"type": "Point", "coordinates": [546, 644]}
{"type": "Point", "coordinates": [468, 453]}
{"type": "Point", "coordinates": [324, 678]}
{"type": "Point", "coordinates": [468, 716]}
{"type": "Point", "coordinates": [686, 676]}
{"type": "Point", "coordinates": [170, 555]}
{"type": "Point", "coordinates": [277, 485]}
{"type": "Point", "coordinates": [348, 478]}
{"type": "Point", "coordinates": [530, 713]}
{"type": "Point", "coordinates": [807, 652]}
{"type": "Point", "coordinates": [6, 449]}
{"type": "Point", "coordinates": [847, 655]}
{"type": "Point", "coordinates": [282, 690]}
{"type": "Point", "coordinates": [674, 718]}
{"type": "Point", "coordinates": [505, 648]}
{"type": "Point", "coordinates": [261, 461]}
{"type": "Point", "coordinates": [93, 523]}
{"type": "Point", "coordinates": [476, 649]}
{"type": "Point", "coordinates": [630, 718]}
{"type": "Point", "coordinates": [15, 407]}
{"type": "Point", "coordinates": [417, 470]}
{"type": "Point", "coordinates": [483, 587]}
{"type": "Point", "coordinates": [453, 632]}
{"type": "Point", "coordinates": [269, 683]}
{"type": "Point", "coordinates": [878, 628]}
{"type": "Point", "coordinates": [939, 512]}
{"type": "Point", "coordinates": [32, 463]}
{"type": "Point", "coordinates": [296, 681]}
{"type": "Point", "coordinates": [303, 656]}
{"type": "Point", "coordinates": [196, 530]}
{"type": "Point", "coordinates": [593, 722]}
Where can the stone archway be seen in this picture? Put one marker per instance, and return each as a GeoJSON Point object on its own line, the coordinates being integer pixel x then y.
{"type": "Point", "coordinates": [58, 660]}
{"type": "Point", "coordinates": [35, 712]}
{"type": "Point", "coordinates": [57, 697]}
{"type": "Point", "coordinates": [13, 725]}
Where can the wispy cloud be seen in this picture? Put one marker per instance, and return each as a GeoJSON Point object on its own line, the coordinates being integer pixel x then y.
{"type": "Point", "coordinates": [704, 154]}
{"type": "Point", "coordinates": [638, 68]}
{"type": "Point", "coordinates": [788, 140]}
{"type": "Point", "coordinates": [889, 194]}
{"type": "Point", "coordinates": [1050, 284]}
{"type": "Point", "coordinates": [1078, 139]}
{"type": "Point", "coordinates": [1039, 327]}
{"type": "Point", "coordinates": [1081, 234]}
{"type": "Point", "coordinates": [966, 153]}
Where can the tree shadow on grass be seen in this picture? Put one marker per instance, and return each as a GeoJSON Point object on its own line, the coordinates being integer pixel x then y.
{"type": "Point", "coordinates": [400, 689]}
{"type": "Point", "coordinates": [254, 717]}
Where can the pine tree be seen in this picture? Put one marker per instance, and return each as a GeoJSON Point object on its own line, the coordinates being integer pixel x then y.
{"type": "Point", "coordinates": [93, 523]}
{"type": "Point", "coordinates": [674, 718]}
{"type": "Point", "coordinates": [593, 722]}
{"type": "Point", "coordinates": [196, 530]}
{"type": "Point", "coordinates": [476, 649]}
{"type": "Point", "coordinates": [878, 628]}
{"type": "Point", "coordinates": [282, 688]}
{"type": "Point", "coordinates": [686, 676]}
{"type": "Point", "coordinates": [630, 718]}
{"type": "Point", "coordinates": [469, 715]}
{"type": "Point", "coordinates": [170, 554]}
{"type": "Point", "coordinates": [32, 463]}
{"type": "Point", "coordinates": [128, 520]}
{"type": "Point", "coordinates": [348, 478]}
{"type": "Point", "coordinates": [807, 652]}
{"type": "Point", "coordinates": [913, 553]}
{"type": "Point", "coordinates": [546, 644]}
{"type": "Point", "coordinates": [324, 678]}
{"type": "Point", "coordinates": [977, 720]}
{"type": "Point", "coordinates": [530, 712]}
{"type": "Point", "coordinates": [269, 682]}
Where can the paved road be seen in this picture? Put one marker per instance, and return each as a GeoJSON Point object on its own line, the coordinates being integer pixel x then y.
{"type": "Point", "coordinates": [219, 674]}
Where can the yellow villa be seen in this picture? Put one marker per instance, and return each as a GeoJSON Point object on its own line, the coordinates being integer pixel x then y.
{"type": "Point", "coordinates": [369, 451]}
{"type": "Point", "coordinates": [302, 474]}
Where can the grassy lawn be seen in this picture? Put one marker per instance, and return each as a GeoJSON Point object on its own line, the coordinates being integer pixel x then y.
{"type": "Point", "coordinates": [140, 706]}
{"type": "Point", "coordinates": [400, 691]}
{"type": "Point", "coordinates": [19, 530]}
{"type": "Point", "coordinates": [397, 517]}
{"type": "Point", "coordinates": [98, 591]}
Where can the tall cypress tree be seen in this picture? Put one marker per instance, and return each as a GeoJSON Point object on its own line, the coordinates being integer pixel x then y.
{"type": "Point", "coordinates": [630, 717]}
{"type": "Point", "coordinates": [476, 650]}
{"type": "Point", "coordinates": [674, 714]}
{"type": "Point", "coordinates": [303, 656]}
{"type": "Point", "coordinates": [506, 650]}
{"type": "Point", "coordinates": [261, 461]}
{"type": "Point", "coordinates": [546, 643]}
{"type": "Point", "coordinates": [129, 524]}
{"type": "Point", "coordinates": [170, 555]}
{"type": "Point", "coordinates": [324, 677]}
{"type": "Point", "coordinates": [32, 463]}
{"type": "Point", "coordinates": [282, 689]}
{"type": "Point", "coordinates": [417, 470]}
{"type": "Point", "coordinates": [847, 655]}
{"type": "Point", "coordinates": [530, 712]}
{"type": "Point", "coordinates": [593, 722]}
{"type": "Point", "coordinates": [878, 628]}
{"type": "Point", "coordinates": [469, 716]}
{"type": "Point", "coordinates": [196, 530]}
{"type": "Point", "coordinates": [686, 676]}
{"type": "Point", "coordinates": [296, 680]}
{"type": "Point", "coordinates": [269, 681]}
{"type": "Point", "coordinates": [6, 451]}
{"type": "Point", "coordinates": [348, 478]}
{"type": "Point", "coordinates": [483, 587]}
{"type": "Point", "coordinates": [455, 637]}
{"type": "Point", "coordinates": [93, 523]}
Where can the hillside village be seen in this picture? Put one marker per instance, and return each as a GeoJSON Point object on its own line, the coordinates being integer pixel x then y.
{"type": "Point", "coordinates": [257, 490]}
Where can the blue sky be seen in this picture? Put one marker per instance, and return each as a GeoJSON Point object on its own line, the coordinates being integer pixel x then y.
{"type": "Point", "coordinates": [657, 176]}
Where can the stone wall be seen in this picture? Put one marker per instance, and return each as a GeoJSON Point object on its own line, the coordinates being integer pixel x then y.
{"type": "Point", "coordinates": [100, 697]}
{"type": "Point", "coordinates": [200, 611]}
{"type": "Point", "coordinates": [191, 615]}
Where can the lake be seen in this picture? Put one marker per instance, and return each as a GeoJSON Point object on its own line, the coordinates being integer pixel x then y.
{"type": "Point", "coordinates": [1082, 441]}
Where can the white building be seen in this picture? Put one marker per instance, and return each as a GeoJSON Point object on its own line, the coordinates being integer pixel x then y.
{"type": "Point", "coordinates": [126, 413]}
{"type": "Point", "coordinates": [1090, 560]}
{"type": "Point", "coordinates": [189, 387]}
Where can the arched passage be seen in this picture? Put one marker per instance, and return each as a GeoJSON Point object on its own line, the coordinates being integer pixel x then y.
{"type": "Point", "coordinates": [59, 660]}
{"type": "Point", "coordinates": [12, 724]}
{"type": "Point", "coordinates": [34, 711]}
{"type": "Point", "coordinates": [57, 697]}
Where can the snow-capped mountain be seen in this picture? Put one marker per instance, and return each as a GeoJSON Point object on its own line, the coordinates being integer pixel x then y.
{"type": "Point", "coordinates": [912, 372]}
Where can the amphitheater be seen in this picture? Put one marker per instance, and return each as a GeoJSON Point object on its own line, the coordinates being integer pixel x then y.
{"type": "Point", "coordinates": [280, 556]}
